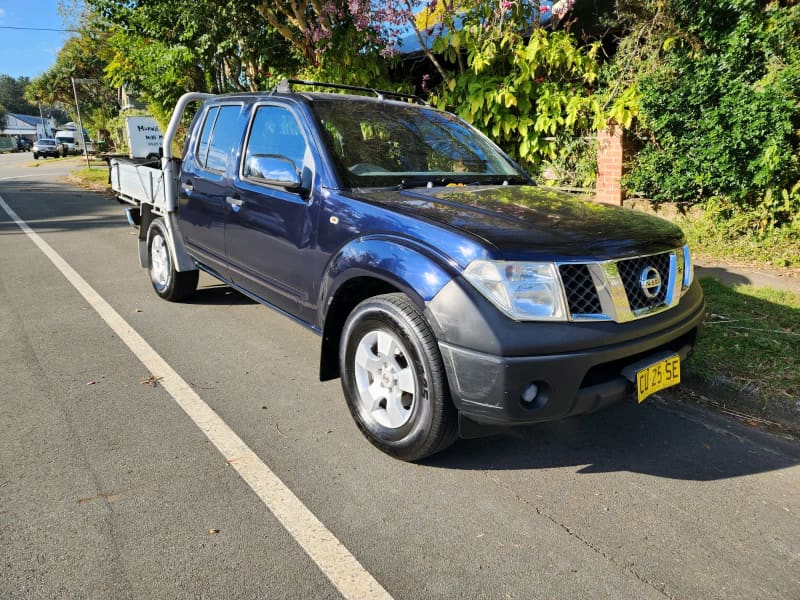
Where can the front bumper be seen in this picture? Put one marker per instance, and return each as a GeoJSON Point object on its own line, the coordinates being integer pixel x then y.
{"type": "Point", "coordinates": [577, 367]}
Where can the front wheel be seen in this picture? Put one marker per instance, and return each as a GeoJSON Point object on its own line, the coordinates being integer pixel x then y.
{"type": "Point", "coordinates": [393, 379]}
{"type": "Point", "coordinates": [168, 283]}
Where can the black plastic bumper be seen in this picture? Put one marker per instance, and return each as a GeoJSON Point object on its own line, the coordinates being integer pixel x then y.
{"type": "Point", "coordinates": [488, 388]}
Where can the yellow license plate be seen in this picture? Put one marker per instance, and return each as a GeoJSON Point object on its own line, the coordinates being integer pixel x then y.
{"type": "Point", "coordinates": [658, 376]}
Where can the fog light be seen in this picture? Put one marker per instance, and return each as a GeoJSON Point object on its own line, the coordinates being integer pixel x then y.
{"type": "Point", "coordinates": [529, 393]}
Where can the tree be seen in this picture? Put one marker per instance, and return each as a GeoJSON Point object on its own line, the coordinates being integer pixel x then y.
{"type": "Point", "coordinates": [161, 49]}
{"type": "Point", "coordinates": [315, 27]}
{"type": "Point", "coordinates": [527, 86]}
{"type": "Point", "coordinates": [83, 56]}
{"type": "Point", "coordinates": [251, 45]}
{"type": "Point", "coordinates": [12, 95]}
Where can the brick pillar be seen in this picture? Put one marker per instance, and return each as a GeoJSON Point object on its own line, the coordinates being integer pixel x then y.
{"type": "Point", "coordinates": [610, 156]}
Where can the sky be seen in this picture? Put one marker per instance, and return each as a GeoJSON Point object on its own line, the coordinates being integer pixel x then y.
{"type": "Point", "coordinates": [24, 52]}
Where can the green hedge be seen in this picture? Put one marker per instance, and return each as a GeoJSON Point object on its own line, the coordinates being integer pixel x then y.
{"type": "Point", "coordinates": [721, 114]}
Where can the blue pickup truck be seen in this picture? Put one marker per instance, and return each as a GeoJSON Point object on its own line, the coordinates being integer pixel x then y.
{"type": "Point", "coordinates": [452, 296]}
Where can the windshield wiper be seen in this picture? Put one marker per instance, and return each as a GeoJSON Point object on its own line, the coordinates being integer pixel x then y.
{"type": "Point", "coordinates": [499, 180]}
{"type": "Point", "coordinates": [406, 184]}
{"type": "Point", "coordinates": [458, 179]}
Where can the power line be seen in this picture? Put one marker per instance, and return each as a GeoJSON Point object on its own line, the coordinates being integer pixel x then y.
{"type": "Point", "coordinates": [38, 29]}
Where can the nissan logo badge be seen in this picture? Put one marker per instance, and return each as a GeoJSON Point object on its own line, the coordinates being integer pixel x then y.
{"type": "Point", "coordinates": [650, 282]}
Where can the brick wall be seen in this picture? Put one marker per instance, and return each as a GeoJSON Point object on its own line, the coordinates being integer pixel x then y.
{"type": "Point", "coordinates": [610, 159]}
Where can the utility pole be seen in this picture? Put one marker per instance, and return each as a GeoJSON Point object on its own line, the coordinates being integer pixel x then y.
{"type": "Point", "coordinates": [41, 116]}
{"type": "Point", "coordinates": [78, 108]}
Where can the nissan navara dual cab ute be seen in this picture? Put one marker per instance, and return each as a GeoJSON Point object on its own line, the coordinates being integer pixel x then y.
{"type": "Point", "coordinates": [451, 294]}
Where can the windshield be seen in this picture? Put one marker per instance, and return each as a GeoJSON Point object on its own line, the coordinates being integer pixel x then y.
{"type": "Point", "coordinates": [381, 144]}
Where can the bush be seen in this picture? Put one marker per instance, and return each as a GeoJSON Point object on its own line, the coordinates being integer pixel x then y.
{"type": "Point", "coordinates": [725, 231]}
{"type": "Point", "coordinates": [528, 89]}
{"type": "Point", "coordinates": [720, 115]}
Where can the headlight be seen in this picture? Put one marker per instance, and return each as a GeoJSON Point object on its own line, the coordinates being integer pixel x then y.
{"type": "Point", "coordinates": [688, 269]}
{"type": "Point", "coordinates": [525, 291]}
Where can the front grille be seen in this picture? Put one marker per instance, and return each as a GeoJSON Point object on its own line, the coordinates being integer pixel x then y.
{"type": "Point", "coordinates": [631, 288]}
{"type": "Point", "coordinates": [580, 289]}
{"type": "Point", "coordinates": [631, 272]}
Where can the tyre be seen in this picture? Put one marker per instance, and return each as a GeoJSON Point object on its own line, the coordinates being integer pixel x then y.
{"type": "Point", "coordinates": [35, 156]}
{"type": "Point", "coordinates": [393, 379]}
{"type": "Point", "coordinates": [168, 283]}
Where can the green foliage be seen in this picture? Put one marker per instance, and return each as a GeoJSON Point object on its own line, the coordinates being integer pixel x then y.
{"type": "Point", "coordinates": [721, 112]}
{"type": "Point", "coordinates": [159, 73]}
{"type": "Point", "coordinates": [161, 49]}
{"type": "Point", "coordinates": [116, 139]}
{"type": "Point", "coordinates": [525, 92]}
{"type": "Point", "coordinates": [83, 56]}
{"type": "Point", "coordinates": [12, 95]}
{"type": "Point", "coordinates": [344, 63]}
{"type": "Point", "coordinates": [575, 164]}
{"type": "Point", "coordinates": [725, 230]}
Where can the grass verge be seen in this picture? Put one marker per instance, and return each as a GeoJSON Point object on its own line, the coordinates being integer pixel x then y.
{"type": "Point", "coordinates": [737, 238]}
{"type": "Point", "coordinates": [43, 161]}
{"type": "Point", "coordinates": [730, 237]}
{"type": "Point", "coordinates": [780, 248]}
{"type": "Point", "coordinates": [748, 354]}
{"type": "Point", "coordinates": [92, 178]}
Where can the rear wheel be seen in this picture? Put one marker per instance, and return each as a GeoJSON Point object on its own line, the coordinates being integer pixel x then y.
{"type": "Point", "coordinates": [393, 379]}
{"type": "Point", "coordinates": [168, 283]}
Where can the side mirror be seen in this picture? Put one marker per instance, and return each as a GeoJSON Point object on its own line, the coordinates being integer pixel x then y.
{"type": "Point", "coordinates": [273, 169]}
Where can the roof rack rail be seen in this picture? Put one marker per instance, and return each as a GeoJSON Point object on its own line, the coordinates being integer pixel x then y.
{"type": "Point", "coordinates": [285, 87]}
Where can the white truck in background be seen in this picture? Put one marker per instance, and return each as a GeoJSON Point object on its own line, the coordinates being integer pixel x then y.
{"type": "Point", "coordinates": [72, 142]}
{"type": "Point", "coordinates": [66, 140]}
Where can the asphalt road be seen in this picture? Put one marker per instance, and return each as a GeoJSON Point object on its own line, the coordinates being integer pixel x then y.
{"type": "Point", "coordinates": [109, 490]}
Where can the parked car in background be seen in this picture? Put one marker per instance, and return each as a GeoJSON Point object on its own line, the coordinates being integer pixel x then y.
{"type": "Point", "coordinates": [47, 147]}
{"type": "Point", "coordinates": [22, 145]}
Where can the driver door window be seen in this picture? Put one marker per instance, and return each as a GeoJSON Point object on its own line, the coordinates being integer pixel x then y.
{"type": "Point", "coordinates": [275, 132]}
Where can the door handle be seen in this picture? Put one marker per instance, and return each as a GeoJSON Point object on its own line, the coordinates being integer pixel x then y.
{"type": "Point", "coordinates": [235, 203]}
{"type": "Point", "coordinates": [187, 186]}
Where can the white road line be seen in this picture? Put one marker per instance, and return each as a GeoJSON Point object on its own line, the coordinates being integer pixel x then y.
{"type": "Point", "coordinates": [334, 560]}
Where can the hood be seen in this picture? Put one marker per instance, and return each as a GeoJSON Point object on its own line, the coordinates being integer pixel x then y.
{"type": "Point", "coordinates": [529, 222]}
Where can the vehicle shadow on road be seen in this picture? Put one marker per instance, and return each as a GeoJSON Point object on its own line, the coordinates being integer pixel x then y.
{"type": "Point", "coordinates": [218, 295]}
{"type": "Point", "coordinates": [649, 439]}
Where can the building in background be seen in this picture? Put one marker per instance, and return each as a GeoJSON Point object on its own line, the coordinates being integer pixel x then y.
{"type": "Point", "coordinates": [27, 127]}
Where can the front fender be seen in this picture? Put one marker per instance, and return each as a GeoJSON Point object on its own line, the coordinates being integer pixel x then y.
{"type": "Point", "coordinates": [416, 270]}
{"type": "Point", "coordinates": [369, 266]}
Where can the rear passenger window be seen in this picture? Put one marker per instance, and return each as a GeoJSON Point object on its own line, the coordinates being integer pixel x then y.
{"type": "Point", "coordinates": [205, 136]}
{"type": "Point", "coordinates": [220, 134]}
{"type": "Point", "coordinates": [276, 132]}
